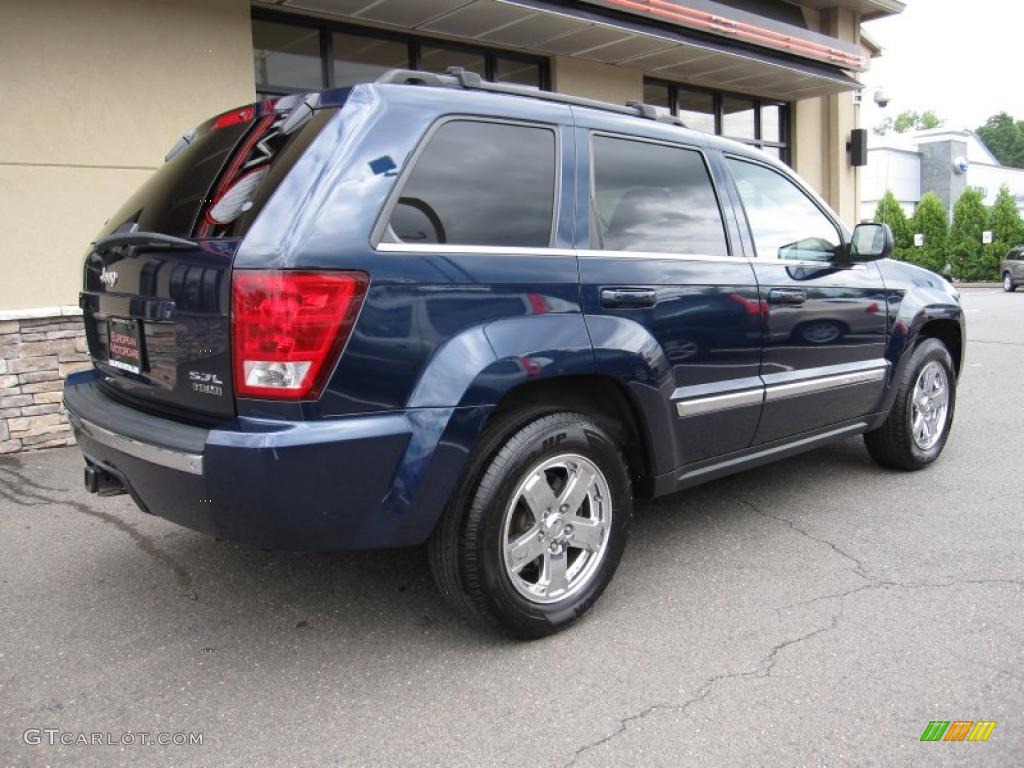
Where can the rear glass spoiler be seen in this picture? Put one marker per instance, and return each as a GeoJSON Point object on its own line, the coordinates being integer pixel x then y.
{"type": "Point", "coordinates": [143, 238]}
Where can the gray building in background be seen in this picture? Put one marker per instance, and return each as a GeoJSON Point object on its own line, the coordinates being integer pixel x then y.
{"type": "Point", "coordinates": [941, 161]}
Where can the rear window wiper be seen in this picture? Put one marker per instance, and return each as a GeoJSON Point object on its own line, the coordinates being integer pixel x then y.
{"type": "Point", "coordinates": [143, 238]}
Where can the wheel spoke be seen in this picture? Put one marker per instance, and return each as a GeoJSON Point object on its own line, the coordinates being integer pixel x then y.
{"type": "Point", "coordinates": [920, 428]}
{"type": "Point", "coordinates": [555, 576]}
{"type": "Point", "coordinates": [576, 489]}
{"type": "Point", "coordinates": [586, 533]}
{"type": "Point", "coordinates": [538, 496]}
{"type": "Point", "coordinates": [525, 550]}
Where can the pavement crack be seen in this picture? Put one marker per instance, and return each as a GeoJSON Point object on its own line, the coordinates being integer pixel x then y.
{"type": "Point", "coordinates": [763, 669]}
{"type": "Point", "coordinates": [1000, 343]}
{"type": "Point", "coordinates": [858, 566]}
{"type": "Point", "coordinates": [11, 470]}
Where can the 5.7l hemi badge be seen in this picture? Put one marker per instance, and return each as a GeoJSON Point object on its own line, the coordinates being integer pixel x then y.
{"type": "Point", "coordinates": [206, 383]}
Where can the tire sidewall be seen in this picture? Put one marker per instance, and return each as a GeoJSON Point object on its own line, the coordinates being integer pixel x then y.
{"type": "Point", "coordinates": [563, 436]}
{"type": "Point", "coordinates": [929, 351]}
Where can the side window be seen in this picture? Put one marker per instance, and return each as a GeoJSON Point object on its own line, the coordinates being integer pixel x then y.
{"type": "Point", "coordinates": [652, 197]}
{"type": "Point", "coordinates": [785, 222]}
{"type": "Point", "coordinates": [479, 183]}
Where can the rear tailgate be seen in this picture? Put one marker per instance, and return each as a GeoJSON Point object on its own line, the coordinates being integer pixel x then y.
{"type": "Point", "coordinates": [157, 322]}
{"type": "Point", "coordinates": [157, 280]}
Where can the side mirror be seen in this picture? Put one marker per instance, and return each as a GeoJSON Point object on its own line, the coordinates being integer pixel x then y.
{"type": "Point", "coordinates": [871, 242]}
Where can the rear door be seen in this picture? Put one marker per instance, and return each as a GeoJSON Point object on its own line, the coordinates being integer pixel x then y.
{"type": "Point", "coordinates": [656, 263]}
{"type": "Point", "coordinates": [156, 293]}
{"type": "Point", "coordinates": [826, 327]}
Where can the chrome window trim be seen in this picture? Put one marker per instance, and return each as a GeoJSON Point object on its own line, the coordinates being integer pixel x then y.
{"type": "Point", "coordinates": [493, 250]}
{"type": "Point", "coordinates": [512, 250]}
{"type": "Point", "coordinates": [191, 463]}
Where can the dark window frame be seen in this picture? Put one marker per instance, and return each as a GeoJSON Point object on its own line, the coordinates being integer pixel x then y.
{"type": "Point", "coordinates": [785, 145]}
{"type": "Point", "coordinates": [414, 43]}
{"type": "Point", "coordinates": [592, 191]}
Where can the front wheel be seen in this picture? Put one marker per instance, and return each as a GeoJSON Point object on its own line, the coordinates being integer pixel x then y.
{"type": "Point", "coordinates": [533, 537]}
{"type": "Point", "coordinates": [1008, 284]}
{"type": "Point", "coordinates": [918, 426]}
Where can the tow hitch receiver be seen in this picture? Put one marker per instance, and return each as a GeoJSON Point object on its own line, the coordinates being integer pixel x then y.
{"type": "Point", "coordinates": [101, 482]}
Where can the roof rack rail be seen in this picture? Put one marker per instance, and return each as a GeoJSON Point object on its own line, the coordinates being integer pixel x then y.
{"type": "Point", "coordinates": [457, 77]}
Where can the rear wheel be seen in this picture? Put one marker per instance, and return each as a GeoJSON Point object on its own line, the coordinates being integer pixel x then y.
{"type": "Point", "coordinates": [918, 426]}
{"type": "Point", "coordinates": [1008, 284]}
{"type": "Point", "coordinates": [533, 536]}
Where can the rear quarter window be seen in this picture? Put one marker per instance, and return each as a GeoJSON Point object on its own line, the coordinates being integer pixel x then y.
{"type": "Point", "coordinates": [479, 183]}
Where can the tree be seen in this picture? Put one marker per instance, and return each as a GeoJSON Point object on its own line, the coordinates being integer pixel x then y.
{"type": "Point", "coordinates": [1007, 229]}
{"type": "Point", "coordinates": [967, 252]}
{"type": "Point", "coordinates": [890, 212]}
{"type": "Point", "coordinates": [932, 221]}
{"type": "Point", "coordinates": [1004, 137]}
{"type": "Point", "coordinates": [909, 121]}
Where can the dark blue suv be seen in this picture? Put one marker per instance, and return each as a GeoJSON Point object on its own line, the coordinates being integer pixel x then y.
{"type": "Point", "coordinates": [434, 309]}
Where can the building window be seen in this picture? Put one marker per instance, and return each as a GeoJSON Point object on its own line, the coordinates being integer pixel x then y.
{"type": "Point", "coordinates": [763, 123]}
{"type": "Point", "coordinates": [296, 54]}
{"type": "Point", "coordinates": [286, 56]}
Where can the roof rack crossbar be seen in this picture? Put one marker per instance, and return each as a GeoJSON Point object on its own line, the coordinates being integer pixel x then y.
{"type": "Point", "coordinates": [457, 77]}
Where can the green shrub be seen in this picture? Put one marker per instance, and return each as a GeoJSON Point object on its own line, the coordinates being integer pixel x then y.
{"type": "Point", "coordinates": [890, 212]}
{"type": "Point", "coordinates": [1007, 230]}
{"type": "Point", "coordinates": [930, 219]}
{"type": "Point", "coordinates": [967, 252]}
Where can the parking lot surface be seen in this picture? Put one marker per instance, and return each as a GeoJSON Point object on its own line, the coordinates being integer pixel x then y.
{"type": "Point", "coordinates": [820, 611]}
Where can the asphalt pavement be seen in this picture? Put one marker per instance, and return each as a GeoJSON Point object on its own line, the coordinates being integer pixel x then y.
{"type": "Point", "coordinates": [820, 611]}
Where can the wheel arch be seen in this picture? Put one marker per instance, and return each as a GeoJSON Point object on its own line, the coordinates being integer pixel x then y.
{"type": "Point", "coordinates": [949, 333]}
{"type": "Point", "coordinates": [600, 396]}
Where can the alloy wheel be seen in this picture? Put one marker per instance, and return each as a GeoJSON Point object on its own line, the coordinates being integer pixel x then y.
{"type": "Point", "coordinates": [929, 405]}
{"type": "Point", "coordinates": [556, 528]}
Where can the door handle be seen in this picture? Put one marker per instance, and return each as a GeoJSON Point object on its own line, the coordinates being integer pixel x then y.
{"type": "Point", "coordinates": [628, 298]}
{"type": "Point", "coordinates": [792, 297]}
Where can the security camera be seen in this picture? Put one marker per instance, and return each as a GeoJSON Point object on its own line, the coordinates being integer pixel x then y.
{"type": "Point", "coordinates": [882, 98]}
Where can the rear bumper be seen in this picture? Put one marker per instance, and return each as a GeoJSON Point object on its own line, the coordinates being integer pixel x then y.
{"type": "Point", "coordinates": [360, 482]}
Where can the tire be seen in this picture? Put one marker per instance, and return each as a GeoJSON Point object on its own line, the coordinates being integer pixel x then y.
{"type": "Point", "coordinates": [1008, 285]}
{"type": "Point", "coordinates": [516, 459]}
{"type": "Point", "coordinates": [895, 443]}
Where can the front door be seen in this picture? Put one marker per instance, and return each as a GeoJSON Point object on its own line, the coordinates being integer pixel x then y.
{"type": "Point", "coordinates": [825, 317]}
{"type": "Point", "coordinates": [667, 305]}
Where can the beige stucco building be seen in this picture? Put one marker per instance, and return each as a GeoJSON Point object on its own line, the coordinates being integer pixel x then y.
{"type": "Point", "coordinates": [96, 91]}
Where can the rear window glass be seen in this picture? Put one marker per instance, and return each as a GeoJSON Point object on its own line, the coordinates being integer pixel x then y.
{"type": "Point", "coordinates": [479, 183]}
{"type": "Point", "coordinates": [174, 199]}
{"type": "Point", "coordinates": [653, 197]}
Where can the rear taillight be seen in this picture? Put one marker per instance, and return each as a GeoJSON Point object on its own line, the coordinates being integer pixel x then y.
{"type": "Point", "coordinates": [288, 327]}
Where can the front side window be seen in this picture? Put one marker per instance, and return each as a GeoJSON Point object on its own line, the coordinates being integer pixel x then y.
{"type": "Point", "coordinates": [653, 197]}
{"type": "Point", "coordinates": [480, 183]}
{"type": "Point", "coordinates": [784, 222]}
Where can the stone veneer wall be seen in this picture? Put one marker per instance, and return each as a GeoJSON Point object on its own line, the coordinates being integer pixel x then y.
{"type": "Point", "coordinates": [38, 349]}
